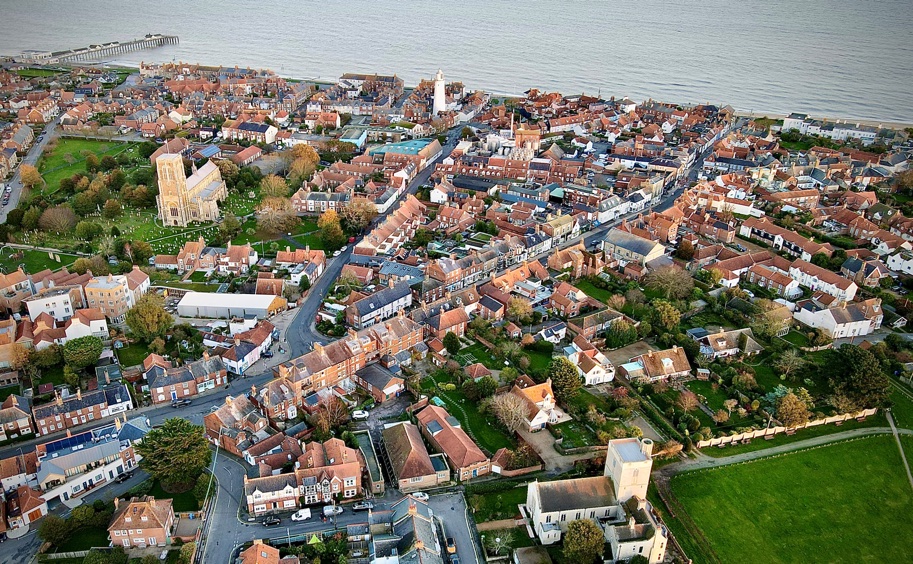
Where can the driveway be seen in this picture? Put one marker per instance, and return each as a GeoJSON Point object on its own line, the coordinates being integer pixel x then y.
{"type": "Point", "coordinates": [554, 462]}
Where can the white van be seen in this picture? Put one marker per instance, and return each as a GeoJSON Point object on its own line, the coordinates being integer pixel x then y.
{"type": "Point", "coordinates": [301, 515]}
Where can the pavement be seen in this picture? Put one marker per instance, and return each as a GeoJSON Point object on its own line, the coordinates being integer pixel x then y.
{"type": "Point", "coordinates": [31, 158]}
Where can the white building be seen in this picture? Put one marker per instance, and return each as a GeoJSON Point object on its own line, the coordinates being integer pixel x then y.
{"type": "Point", "coordinates": [901, 262]}
{"type": "Point", "coordinates": [820, 279]}
{"type": "Point", "coordinates": [616, 501]}
{"type": "Point", "coordinates": [60, 302]}
{"type": "Point", "coordinates": [440, 94]}
{"type": "Point", "coordinates": [223, 306]}
{"type": "Point", "coordinates": [846, 320]}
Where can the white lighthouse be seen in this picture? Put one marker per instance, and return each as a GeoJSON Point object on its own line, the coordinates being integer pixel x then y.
{"type": "Point", "coordinates": [440, 94]}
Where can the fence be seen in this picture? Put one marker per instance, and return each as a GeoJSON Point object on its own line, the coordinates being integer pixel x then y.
{"type": "Point", "coordinates": [62, 555]}
{"type": "Point", "coordinates": [770, 432]}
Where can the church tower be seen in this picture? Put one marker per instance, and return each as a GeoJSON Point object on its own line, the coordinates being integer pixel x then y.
{"type": "Point", "coordinates": [440, 94]}
{"type": "Point", "coordinates": [172, 189]}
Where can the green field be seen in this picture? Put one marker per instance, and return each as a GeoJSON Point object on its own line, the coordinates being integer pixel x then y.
{"type": "Point", "coordinates": [592, 291]}
{"type": "Point", "coordinates": [36, 73]}
{"type": "Point", "coordinates": [33, 261]}
{"type": "Point", "coordinates": [54, 166]}
{"type": "Point", "coordinates": [847, 502]}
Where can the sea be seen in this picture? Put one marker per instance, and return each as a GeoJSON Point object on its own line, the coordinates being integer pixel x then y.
{"type": "Point", "coordinates": [850, 59]}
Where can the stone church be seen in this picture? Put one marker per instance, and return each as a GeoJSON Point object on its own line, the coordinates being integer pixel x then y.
{"type": "Point", "coordinates": [181, 200]}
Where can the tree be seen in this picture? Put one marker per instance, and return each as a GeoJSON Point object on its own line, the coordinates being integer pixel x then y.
{"type": "Point", "coordinates": [230, 227]}
{"type": "Point", "coordinates": [673, 282]}
{"type": "Point", "coordinates": [584, 542]}
{"type": "Point", "coordinates": [148, 319]}
{"type": "Point", "coordinates": [275, 215]}
{"type": "Point", "coordinates": [140, 252]}
{"type": "Point", "coordinates": [745, 382]}
{"type": "Point", "coordinates": [112, 209]}
{"type": "Point", "coordinates": [566, 380]}
{"type": "Point", "coordinates": [666, 315]}
{"type": "Point", "coordinates": [108, 163]}
{"type": "Point", "coordinates": [687, 401]}
{"type": "Point", "coordinates": [92, 163]}
{"type": "Point", "coordinates": [357, 214]}
{"type": "Point", "coordinates": [330, 230]}
{"type": "Point", "coordinates": [82, 352]}
{"type": "Point", "coordinates": [509, 409]}
{"type": "Point", "coordinates": [273, 186]}
{"type": "Point", "coordinates": [519, 309]}
{"type": "Point", "coordinates": [685, 250]}
{"type": "Point", "coordinates": [486, 386]}
{"type": "Point", "coordinates": [185, 556]}
{"type": "Point", "coordinates": [790, 361]}
{"type": "Point", "coordinates": [730, 404]}
{"type": "Point", "coordinates": [87, 230]}
{"type": "Point", "coordinates": [857, 378]}
{"type": "Point", "coordinates": [721, 416]}
{"type": "Point", "coordinates": [70, 376]}
{"type": "Point", "coordinates": [620, 334]}
{"type": "Point", "coordinates": [30, 176]}
{"type": "Point", "coordinates": [499, 542]}
{"type": "Point", "coordinates": [229, 171]}
{"type": "Point", "coordinates": [53, 529]}
{"type": "Point", "coordinates": [31, 217]}
{"type": "Point", "coordinates": [175, 453]}
{"type": "Point", "coordinates": [451, 343]}
{"type": "Point", "coordinates": [305, 284]}
{"type": "Point", "coordinates": [791, 411]}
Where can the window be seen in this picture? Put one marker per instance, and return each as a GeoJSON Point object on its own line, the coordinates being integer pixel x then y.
{"type": "Point", "coordinates": [415, 480]}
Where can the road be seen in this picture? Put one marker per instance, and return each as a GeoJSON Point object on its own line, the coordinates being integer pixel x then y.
{"type": "Point", "coordinates": [31, 158]}
{"type": "Point", "coordinates": [301, 332]}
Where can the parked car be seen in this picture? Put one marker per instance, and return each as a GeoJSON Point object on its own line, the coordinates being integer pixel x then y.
{"type": "Point", "coordinates": [351, 240]}
{"type": "Point", "coordinates": [451, 547]}
{"type": "Point", "coordinates": [360, 415]}
{"type": "Point", "coordinates": [121, 478]}
{"type": "Point", "coordinates": [271, 521]}
{"type": "Point", "coordinates": [337, 253]}
{"type": "Point", "coordinates": [330, 510]}
{"type": "Point", "coordinates": [301, 515]}
{"type": "Point", "coordinates": [181, 402]}
{"type": "Point", "coordinates": [421, 496]}
{"type": "Point", "coordinates": [363, 506]}
{"type": "Point", "coordinates": [267, 354]}
{"type": "Point", "coordinates": [344, 248]}
{"type": "Point", "coordinates": [454, 559]}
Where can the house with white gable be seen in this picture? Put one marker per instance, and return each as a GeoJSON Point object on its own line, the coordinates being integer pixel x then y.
{"type": "Point", "coordinates": [592, 365]}
{"type": "Point", "coordinates": [540, 403]}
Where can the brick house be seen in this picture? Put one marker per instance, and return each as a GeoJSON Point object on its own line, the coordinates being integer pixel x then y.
{"type": "Point", "coordinates": [141, 522]}
{"type": "Point", "coordinates": [168, 383]}
{"type": "Point", "coordinates": [444, 433]}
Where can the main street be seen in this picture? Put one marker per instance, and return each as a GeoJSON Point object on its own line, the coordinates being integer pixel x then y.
{"type": "Point", "coordinates": [31, 158]}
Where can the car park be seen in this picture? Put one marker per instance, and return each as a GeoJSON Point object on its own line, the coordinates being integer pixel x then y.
{"type": "Point", "coordinates": [271, 521]}
{"type": "Point", "coordinates": [363, 506]}
{"type": "Point", "coordinates": [360, 415]}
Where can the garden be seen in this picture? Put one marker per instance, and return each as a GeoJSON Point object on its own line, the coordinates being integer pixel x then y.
{"type": "Point", "coordinates": [843, 502]}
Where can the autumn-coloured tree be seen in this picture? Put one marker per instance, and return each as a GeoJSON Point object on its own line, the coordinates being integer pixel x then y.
{"type": "Point", "coordinates": [519, 309]}
{"type": "Point", "coordinates": [687, 401]}
{"type": "Point", "coordinates": [791, 411]}
{"type": "Point", "coordinates": [30, 176]}
{"type": "Point", "coordinates": [275, 215]}
{"type": "Point", "coordinates": [358, 214]}
{"type": "Point", "coordinates": [665, 314]}
{"type": "Point", "coordinates": [330, 229]}
{"type": "Point", "coordinates": [672, 281]}
{"type": "Point", "coordinates": [148, 319]}
{"type": "Point", "coordinates": [273, 186]}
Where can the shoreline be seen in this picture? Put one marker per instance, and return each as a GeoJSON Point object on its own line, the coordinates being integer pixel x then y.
{"type": "Point", "coordinates": [899, 125]}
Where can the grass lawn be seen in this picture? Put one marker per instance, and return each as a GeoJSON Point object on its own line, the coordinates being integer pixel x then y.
{"type": "Point", "coordinates": [797, 338]}
{"type": "Point", "coordinates": [847, 502]}
{"type": "Point", "coordinates": [503, 505]}
{"type": "Point", "coordinates": [486, 432]}
{"type": "Point", "coordinates": [182, 501]}
{"type": "Point", "coordinates": [483, 355]}
{"type": "Point", "coordinates": [133, 354]}
{"type": "Point", "coordinates": [576, 434]}
{"type": "Point", "coordinates": [52, 375]}
{"type": "Point", "coordinates": [760, 444]}
{"type": "Point", "coordinates": [706, 319]}
{"type": "Point", "coordinates": [584, 399]}
{"type": "Point", "coordinates": [54, 166]}
{"type": "Point", "coordinates": [34, 261]}
{"type": "Point", "coordinates": [715, 398]}
{"type": "Point", "coordinates": [538, 361]}
{"type": "Point", "coordinates": [8, 391]}
{"type": "Point", "coordinates": [764, 372]}
{"type": "Point", "coordinates": [85, 539]}
{"type": "Point", "coordinates": [36, 73]}
{"type": "Point", "coordinates": [902, 410]}
{"type": "Point", "coordinates": [592, 291]}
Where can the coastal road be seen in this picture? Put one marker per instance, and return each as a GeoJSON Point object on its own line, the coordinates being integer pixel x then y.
{"type": "Point", "coordinates": [31, 158]}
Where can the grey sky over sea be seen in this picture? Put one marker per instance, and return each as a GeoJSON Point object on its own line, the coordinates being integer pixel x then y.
{"type": "Point", "coordinates": [839, 58]}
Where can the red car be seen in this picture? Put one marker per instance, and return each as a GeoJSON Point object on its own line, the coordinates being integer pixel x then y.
{"type": "Point", "coordinates": [351, 239]}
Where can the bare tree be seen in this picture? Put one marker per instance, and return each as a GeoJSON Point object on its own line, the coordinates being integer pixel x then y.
{"type": "Point", "coordinates": [511, 410]}
{"type": "Point", "coordinates": [790, 361]}
{"type": "Point", "coordinates": [673, 282]}
{"type": "Point", "coordinates": [58, 219]}
{"type": "Point", "coordinates": [687, 401]}
{"type": "Point", "coordinates": [275, 215]}
{"type": "Point", "coordinates": [730, 404]}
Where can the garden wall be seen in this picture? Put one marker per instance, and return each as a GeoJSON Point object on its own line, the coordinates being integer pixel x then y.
{"type": "Point", "coordinates": [499, 460]}
{"type": "Point", "coordinates": [761, 433]}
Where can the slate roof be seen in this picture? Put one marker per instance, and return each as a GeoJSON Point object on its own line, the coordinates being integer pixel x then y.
{"type": "Point", "coordinates": [578, 493]}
